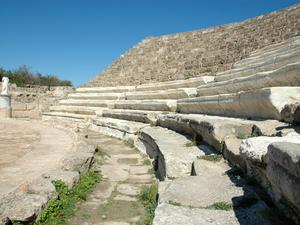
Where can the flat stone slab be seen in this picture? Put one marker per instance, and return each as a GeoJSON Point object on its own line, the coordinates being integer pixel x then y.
{"type": "Point", "coordinates": [287, 75]}
{"type": "Point", "coordinates": [173, 156]}
{"type": "Point", "coordinates": [256, 148]}
{"type": "Point", "coordinates": [29, 150]}
{"type": "Point", "coordinates": [167, 214]}
{"type": "Point", "coordinates": [266, 103]}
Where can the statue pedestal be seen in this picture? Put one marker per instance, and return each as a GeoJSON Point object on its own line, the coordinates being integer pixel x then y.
{"type": "Point", "coordinates": [5, 106]}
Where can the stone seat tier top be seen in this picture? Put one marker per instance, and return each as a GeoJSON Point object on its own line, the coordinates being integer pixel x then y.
{"type": "Point", "coordinates": [287, 75]}
{"type": "Point", "coordinates": [265, 64]}
{"type": "Point", "coordinates": [266, 103]}
{"type": "Point", "coordinates": [271, 50]}
{"type": "Point", "coordinates": [188, 83]}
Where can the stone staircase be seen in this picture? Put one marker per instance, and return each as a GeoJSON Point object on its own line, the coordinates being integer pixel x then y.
{"type": "Point", "coordinates": [237, 113]}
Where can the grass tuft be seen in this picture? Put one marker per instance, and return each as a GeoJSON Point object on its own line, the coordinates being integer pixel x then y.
{"type": "Point", "coordinates": [221, 206]}
{"type": "Point", "coordinates": [60, 209]}
{"type": "Point", "coordinates": [148, 196]}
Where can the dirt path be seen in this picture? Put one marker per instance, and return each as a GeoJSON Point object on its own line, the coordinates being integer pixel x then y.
{"type": "Point", "coordinates": [114, 200]}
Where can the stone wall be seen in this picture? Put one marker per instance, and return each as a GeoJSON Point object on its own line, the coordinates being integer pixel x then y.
{"type": "Point", "coordinates": [191, 54]}
{"type": "Point", "coordinates": [31, 101]}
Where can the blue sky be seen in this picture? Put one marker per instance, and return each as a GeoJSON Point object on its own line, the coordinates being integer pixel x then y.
{"type": "Point", "coordinates": [76, 39]}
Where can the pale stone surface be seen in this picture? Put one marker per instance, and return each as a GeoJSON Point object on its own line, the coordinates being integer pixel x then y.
{"type": "Point", "coordinates": [155, 105]}
{"type": "Point", "coordinates": [28, 150]}
{"type": "Point", "coordinates": [142, 116]}
{"type": "Point", "coordinates": [169, 150]}
{"type": "Point", "coordinates": [287, 155]}
{"type": "Point", "coordinates": [167, 214]}
{"type": "Point", "coordinates": [121, 125]}
{"type": "Point", "coordinates": [256, 148]}
{"type": "Point", "coordinates": [201, 191]}
{"type": "Point", "coordinates": [213, 129]}
{"type": "Point", "coordinates": [128, 189]}
{"type": "Point", "coordinates": [264, 103]}
{"type": "Point", "coordinates": [288, 75]}
{"type": "Point", "coordinates": [162, 94]}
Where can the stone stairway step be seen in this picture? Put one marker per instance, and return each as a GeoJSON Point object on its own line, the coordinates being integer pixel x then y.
{"type": "Point", "coordinates": [75, 109]}
{"type": "Point", "coordinates": [162, 94]}
{"type": "Point", "coordinates": [142, 116]}
{"type": "Point", "coordinates": [119, 89]}
{"type": "Point", "coordinates": [67, 115]}
{"type": "Point", "coordinates": [116, 128]}
{"type": "Point", "coordinates": [153, 105]}
{"type": "Point", "coordinates": [270, 51]}
{"type": "Point", "coordinates": [86, 102]}
{"type": "Point", "coordinates": [264, 65]}
{"type": "Point", "coordinates": [288, 43]}
{"type": "Point", "coordinates": [283, 55]}
{"type": "Point", "coordinates": [265, 103]}
{"type": "Point", "coordinates": [171, 152]}
{"type": "Point", "coordinates": [188, 83]}
{"type": "Point", "coordinates": [288, 75]}
{"type": "Point", "coordinates": [99, 96]}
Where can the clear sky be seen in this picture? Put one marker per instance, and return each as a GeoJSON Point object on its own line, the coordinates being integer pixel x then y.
{"type": "Point", "coordinates": [76, 39]}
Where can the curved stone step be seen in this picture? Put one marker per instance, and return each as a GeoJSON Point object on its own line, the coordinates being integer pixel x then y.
{"type": "Point", "coordinates": [119, 89]}
{"type": "Point", "coordinates": [86, 102]}
{"type": "Point", "coordinates": [289, 42]}
{"type": "Point", "coordinates": [188, 83]}
{"type": "Point", "coordinates": [67, 115]}
{"type": "Point", "coordinates": [284, 54]}
{"type": "Point", "coordinates": [270, 51]}
{"type": "Point", "coordinates": [75, 109]}
{"type": "Point", "coordinates": [288, 75]}
{"type": "Point", "coordinates": [162, 94]}
{"type": "Point", "coordinates": [264, 65]}
{"type": "Point", "coordinates": [264, 103]}
{"type": "Point", "coordinates": [172, 155]}
{"type": "Point", "coordinates": [154, 105]}
{"type": "Point", "coordinates": [100, 96]}
{"type": "Point", "coordinates": [142, 116]}
{"type": "Point", "coordinates": [116, 127]}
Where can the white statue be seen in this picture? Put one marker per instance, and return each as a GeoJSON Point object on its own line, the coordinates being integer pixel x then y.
{"type": "Point", "coordinates": [5, 81]}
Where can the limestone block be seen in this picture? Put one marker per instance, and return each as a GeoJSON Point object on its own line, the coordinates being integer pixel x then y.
{"type": "Point", "coordinates": [264, 103]}
{"type": "Point", "coordinates": [287, 75]}
{"type": "Point", "coordinates": [142, 116]}
{"type": "Point", "coordinates": [103, 96]}
{"type": "Point", "coordinates": [172, 156]}
{"type": "Point", "coordinates": [106, 89]}
{"type": "Point", "coordinates": [211, 129]}
{"type": "Point", "coordinates": [255, 149]}
{"type": "Point", "coordinates": [168, 214]}
{"type": "Point", "coordinates": [291, 113]}
{"type": "Point", "coordinates": [155, 105]}
{"type": "Point", "coordinates": [287, 155]}
{"type": "Point", "coordinates": [86, 102]}
{"type": "Point", "coordinates": [200, 191]}
{"type": "Point", "coordinates": [162, 94]}
{"type": "Point", "coordinates": [192, 82]}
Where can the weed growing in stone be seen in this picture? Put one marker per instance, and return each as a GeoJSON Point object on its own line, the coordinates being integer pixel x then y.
{"type": "Point", "coordinates": [212, 157]}
{"type": "Point", "coordinates": [100, 152]}
{"type": "Point", "coordinates": [60, 209]}
{"type": "Point", "coordinates": [221, 206]}
{"type": "Point", "coordinates": [148, 196]}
